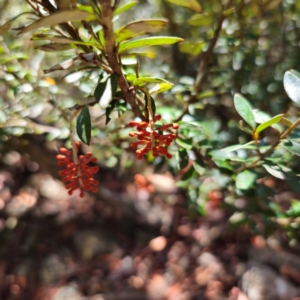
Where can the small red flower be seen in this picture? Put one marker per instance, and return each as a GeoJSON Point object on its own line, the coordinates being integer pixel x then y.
{"type": "Point", "coordinates": [77, 176]}
{"type": "Point", "coordinates": [151, 138]}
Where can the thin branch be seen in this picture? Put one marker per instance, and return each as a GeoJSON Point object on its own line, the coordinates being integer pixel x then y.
{"type": "Point", "coordinates": [112, 57]}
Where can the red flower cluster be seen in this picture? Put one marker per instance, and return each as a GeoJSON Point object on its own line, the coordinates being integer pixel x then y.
{"type": "Point", "coordinates": [151, 138]}
{"type": "Point", "coordinates": [77, 176]}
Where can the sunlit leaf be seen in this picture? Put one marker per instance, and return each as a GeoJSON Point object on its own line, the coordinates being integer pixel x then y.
{"type": "Point", "coordinates": [190, 4]}
{"type": "Point", "coordinates": [84, 126]}
{"type": "Point", "coordinates": [140, 27]}
{"type": "Point", "coordinates": [161, 87]}
{"type": "Point", "coordinates": [251, 146]}
{"type": "Point", "coordinates": [192, 48]}
{"type": "Point", "coordinates": [144, 80]}
{"type": "Point", "coordinates": [269, 123]}
{"type": "Point", "coordinates": [291, 82]}
{"type": "Point", "coordinates": [245, 180]}
{"type": "Point", "coordinates": [57, 18]}
{"type": "Point", "coordinates": [244, 109]}
{"type": "Point", "coordinates": [125, 7]}
{"type": "Point", "coordinates": [150, 41]}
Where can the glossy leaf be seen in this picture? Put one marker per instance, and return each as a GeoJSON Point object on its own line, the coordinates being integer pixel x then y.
{"type": "Point", "coordinates": [185, 143]}
{"type": "Point", "coordinates": [292, 146]}
{"type": "Point", "coordinates": [124, 7]}
{"type": "Point", "coordinates": [57, 18]}
{"type": "Point", "coordinates": [250, 146]}
{"type": "Point", "coordinates": [199, 167]}
{"type": "Point", "coordinates": [275, 171]}
{"type": "Point", "coordinates": [150, 41]}
{"type": "Point", "coordinates": [244, 109]}
{"type": "Point", "coordinates": [291, 82]}
{"type": "Point", "coordinates": [140, 27]}
{"type": "Point", "coordinates": [190, 4]}
{"type": "Point", "coordinates": [269, 123]}
{"type": "Point", "coordinates": [183, 159]}
{"type": "Point", "coordinates": [106, 90]}
{"type": "Point", "coordinates": [245, 180]}
{"type": "Point", "coordinates": [84, 126]}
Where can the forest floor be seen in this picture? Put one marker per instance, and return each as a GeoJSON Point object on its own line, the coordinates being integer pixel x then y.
{"type": "Point", "coordinates": [135, 239]}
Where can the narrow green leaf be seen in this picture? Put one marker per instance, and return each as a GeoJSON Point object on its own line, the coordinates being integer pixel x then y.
{"type": "Point", "coordinates": [144, 80]}
{"type": "Point", "coordinates": [125, 7]}
{"type": "Point", "coordinates": [185, 143]}
{"type": "Point", "coordinates": [244, 109]}
{"type": "Point", "coordinates": [292, 146]}
{"type": "Point", "coordinates": [153, 106]}
{"type": "Point", "coordinates": [183, 159]}
{"type": "Point", "coordinates": [150, 41]}
{"type": "Point", "coordinates": [140, 27]}
{"type": "Point", "coordinates": [245, 180]}
{"type": "Point", "coordinates": [249, 146]}
{"type": "Point", "coordinates": [57, 18]}
{"type": "Point", "coordinates": [269, 123]}
{"type": "Point", "coordinates": [190, 4]}
{"type": "Point", "coordinates": [84, 126]}
{"type": "Point", "coordinates": [291, 82]}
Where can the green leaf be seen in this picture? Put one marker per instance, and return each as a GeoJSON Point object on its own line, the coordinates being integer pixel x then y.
{"type": "Point", "coordinates": [244, 109]}
{"type": "Point", "coordinates": [199, 167]}
{"type": "Point", "coordinates": [201, 20]}
{"type": "Point", "coordinates": [140, 27]}
{"type": "Point", "coordinates": [185, 143]}
{"type": "Point", "coordinates": [153, 106]}
{"type": "Point", "coordinates": [275, 171]}
{"type": "Point", "coordinates": [291, 82]}
{"type": "Point", "coordinates": [84, 126]}
{"type": "Point", "coordinates": [192, 48]}
{"type": "Point", "coordinates": [250, 146]}
{"type": "Point", "coordinates": [161, 87]}
{"type": "Point", "coordinates": [188, 175]}
{"type": "Point", "coordinates": [57, 18]}
{"type": "Point", "coordinates": [269, 123]}
{"type": "Point", "coordinates": [144, 80]}
{"type": "Point", "coordinates": [6, 26]}
{"type": "Point", "coordinates": [125, 7]}
{"type": "Point", "coordinates": [183, 159]}
{"type": "Point", "coordinates": [190, 4]}
{"type": "Point", "coordinates": [105, 90]}
{"type": "Point", "coordinates": [245, 180]}
{"type": "Point", "coordinates": [150, 41]}
{"type": "Point", "coordinates": [292, 146]}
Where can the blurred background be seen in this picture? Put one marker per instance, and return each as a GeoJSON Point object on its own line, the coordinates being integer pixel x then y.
{"type": "Point", "coordinates": [157, 229]}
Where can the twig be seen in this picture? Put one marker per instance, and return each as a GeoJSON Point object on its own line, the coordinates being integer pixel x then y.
{"type": "Point", "coordinates": [112, 57]}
